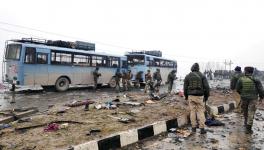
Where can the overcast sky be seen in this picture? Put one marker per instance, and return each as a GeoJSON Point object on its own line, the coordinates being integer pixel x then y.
{"type": "Point", "coordinates": [186, 30]}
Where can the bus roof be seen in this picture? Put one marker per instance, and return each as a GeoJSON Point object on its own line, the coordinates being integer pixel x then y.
{"type": "Point", "coordinates": [65, 49]}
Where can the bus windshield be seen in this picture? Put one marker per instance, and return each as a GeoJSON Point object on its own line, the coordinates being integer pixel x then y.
{"type": "Point", "coordinates": [136, 59]}
{"type": "Point", "coordinates": [13, 51]}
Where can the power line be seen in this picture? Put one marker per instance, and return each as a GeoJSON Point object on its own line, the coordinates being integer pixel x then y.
{"type": "Point", "coordinates": [22, 33]}
{"type": "Point", "coordinates": [61, 35]}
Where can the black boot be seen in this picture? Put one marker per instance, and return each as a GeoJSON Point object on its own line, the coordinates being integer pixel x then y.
{"type": "Point", "coordinates": [249, 129]}
{"type": "Point", "coordinates": [203, 131]}
{"type": "Point", "coordinates": [193, 130]}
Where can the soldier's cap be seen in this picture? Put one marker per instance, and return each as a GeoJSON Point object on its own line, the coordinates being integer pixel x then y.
{"type": "Point", "coordinates": [238, 68]}
{"type": "Point", "coordinates": [195, 67]}
{"type": "Point", "coordinates": [249, 70]}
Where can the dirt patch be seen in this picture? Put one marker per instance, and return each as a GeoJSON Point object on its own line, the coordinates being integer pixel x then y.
{"type": "Point", "coordinates": [220, 97]}
{"type": "Point", "coordinates": [170, 107]}
{"type": "Point", "coordinates": [75, 134]}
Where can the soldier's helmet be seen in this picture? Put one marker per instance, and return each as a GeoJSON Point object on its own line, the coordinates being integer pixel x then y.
{"type": "Point", "coordinates": [249, 70]}
{"type": "Point", "coordinates": [148, 70]}
{"type": "Point", "coordinates": [158, 70]}
{"type": "Point", "coordinates": [195, 67]}
{"type": "Point", "coordinates": [238, 68]}
{"type": "Point", "coordinates": [97, 68]}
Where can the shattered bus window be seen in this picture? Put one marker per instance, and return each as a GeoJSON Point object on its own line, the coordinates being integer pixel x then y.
{"type": "Point", "coordinates": [136, 59]}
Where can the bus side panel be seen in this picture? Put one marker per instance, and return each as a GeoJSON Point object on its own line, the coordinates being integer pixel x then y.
{"type": "Point", "coordinates": [82, 75]}
{"type": "Point", "coordinates": [56, 71]}
{"type": "Point", "coordinates": [106, 75]}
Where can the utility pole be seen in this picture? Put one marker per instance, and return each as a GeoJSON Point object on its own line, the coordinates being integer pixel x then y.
{"type": "Point", "coordinates": [228, 63]}
{"type": "Point", "coordinates": [225, 64]}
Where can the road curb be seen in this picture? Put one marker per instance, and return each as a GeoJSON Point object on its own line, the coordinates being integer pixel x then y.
{"type": "Point", "coordinates": [220, 109]}
{"type": "Point", "coordinates": [125, 138]}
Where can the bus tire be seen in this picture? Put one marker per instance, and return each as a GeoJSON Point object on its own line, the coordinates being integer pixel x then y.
{"type": "Point", "coordinates": [62, 84]}
{"type": "Point", "coordinates": [112, 82]}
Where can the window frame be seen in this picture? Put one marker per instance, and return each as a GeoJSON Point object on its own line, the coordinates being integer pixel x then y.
{"type": "Point", "coordinates": [34, 56]}
{"type": "Point", "coordinates": [59, 63]}
{"type": "Point", "coordinates": [88, 58]}
{"type": "Point", "coordinates": [20, 52]}
{"type": "Point", "coordinates": [110, 60]}
{"type": "Point", "coordinates": [47, 59]}
{"type": "Point", "coordinates": [104, 61]}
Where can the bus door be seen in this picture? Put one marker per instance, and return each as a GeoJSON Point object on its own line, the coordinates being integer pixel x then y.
{"type": "Point", "coordinates": [42, 74]}
{"type": "Point", "coordinates": [35, 66]}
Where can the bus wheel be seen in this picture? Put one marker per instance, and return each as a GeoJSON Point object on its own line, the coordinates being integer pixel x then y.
{"type": "Point", "coordinates": [112, 83]}
{"type": "Point", "coordinates": [62, 84]}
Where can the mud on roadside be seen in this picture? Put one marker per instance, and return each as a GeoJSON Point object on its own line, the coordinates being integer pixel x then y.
{"type": "Point", "coordinates": [74, 134]}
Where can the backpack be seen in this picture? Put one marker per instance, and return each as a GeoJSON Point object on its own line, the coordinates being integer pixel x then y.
{"type": "Point", "coordinates": [195, 81]}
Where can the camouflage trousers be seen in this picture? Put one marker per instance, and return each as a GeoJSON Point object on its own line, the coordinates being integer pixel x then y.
{"type": "Point", "coordinates": [170, 86]}
{"type": "Point", "coordinates": [236, 97]}
{"type": "Point", "coordinates": [249, 108]}
{"type": "Point", "coordinates": [197, 109]}
{"type": "Point", "coordinates": [148, 86]}
{"type": "Point", "coordinates": [126, 84]}
{"type": "Point", "coordinates": [95, 83]}
{"type": "Point", "coordinates": [118, 86]}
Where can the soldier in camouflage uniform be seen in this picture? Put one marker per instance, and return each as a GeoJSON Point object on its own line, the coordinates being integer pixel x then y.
{"type": "Point", "coordinates": [96, 75]}
{"type": "Point", "coordinates": [118, 77]}
{"type": "Point", "coordinates": [170, 80]}
{"type": "Point", "coordinates": [126, 80]}
{"type": "Point", "coordinates": [238, 73]}
{"type": "Point", "coordinates": [249, 89]}
{"type": "Point", "coordinates": [157, 80]}
{"type": "Point", "coordinates": [196, 91]}
{"type": "Point", "coordinates": [148, 80]}
{"type": "Point", "coordinates": [138, 79]}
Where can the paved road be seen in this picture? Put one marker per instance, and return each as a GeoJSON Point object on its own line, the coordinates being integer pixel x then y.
{"type": "Point", "coordinates": [232, 136]}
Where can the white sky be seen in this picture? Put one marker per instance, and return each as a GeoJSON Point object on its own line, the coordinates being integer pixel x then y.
{"type": "Point", "coordinates": [186, 30]}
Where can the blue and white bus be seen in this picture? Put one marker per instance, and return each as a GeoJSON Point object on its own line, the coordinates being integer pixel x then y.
{"type": "Point", "coordinates": [36, 62]}
{"type": "Point", "coordinates": [141, 61]}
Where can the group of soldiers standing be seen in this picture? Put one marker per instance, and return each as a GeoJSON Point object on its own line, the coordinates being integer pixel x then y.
{"type": "Point", "coordinates": [197, 91]}
{"type": "Point", "coordinates": [152, 82]}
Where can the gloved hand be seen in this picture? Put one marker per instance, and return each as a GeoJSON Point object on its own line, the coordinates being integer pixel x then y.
{"type": "Point", "coordinates": [205, 99]}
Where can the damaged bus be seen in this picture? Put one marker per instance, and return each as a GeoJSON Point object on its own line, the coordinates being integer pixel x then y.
{"type": "Point", "coordinates": [34, 62]}
{"type": "Point", "coordinates": [141, 61]}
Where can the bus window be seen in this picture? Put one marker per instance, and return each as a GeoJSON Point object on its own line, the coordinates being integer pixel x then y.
{"type": "Point", "coordinates": [61, 58]}
{"type": "Point", "coordinates": [42, 58]}
{"type": "Point", "coordinates": [124, 64]}
{"type": "Point", "coordinates": [156, 62]}
{"type": "Point", "coordinates": [113, 62]}
{"type": "Point", "coordinates": [82, 60]}
{"type": "Point", "coordinates": [98, 61]}
{"type": "Point", "coordinates": [30, 55]}
{"type": "Point", "coordinates": [13, 51]}
{"type": "Point", "coordinates": [136, 59]}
